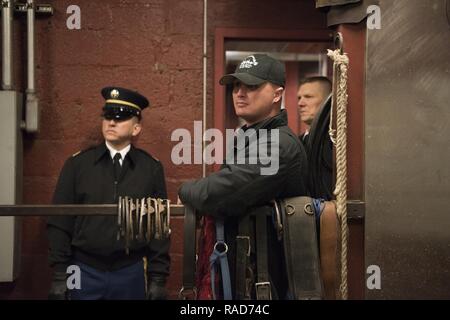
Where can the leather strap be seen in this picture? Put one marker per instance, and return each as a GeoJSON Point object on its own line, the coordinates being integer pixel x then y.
{"type": "Point", "coordinates": [219, 256]}
{"type": "Point", "coordinates": [330, 250]}
{"type": "Point", "coordinates": [262, 287]}
{"type": "Point", "coordinates": [189, 291]}
{"type": "Point", "coordinates": [301, 248]}
{"type": "Point", "coordinates": [243, 249]}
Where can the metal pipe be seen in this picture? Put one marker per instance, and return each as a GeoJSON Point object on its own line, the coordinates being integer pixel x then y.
{"type": "Point", "coordinates": [356, 210]}
{"type": "Point", "coordinates": [72, 210]}
{"type": "Point", "coordinates": [30, 46]}
{"type": "Point", "coordinates": [32, 105]}
{"type": "Point", "coordinates": [205, 61]}
{"type": "Point", "coordinates": [7, 57]}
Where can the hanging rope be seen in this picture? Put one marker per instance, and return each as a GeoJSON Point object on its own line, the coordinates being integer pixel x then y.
{"type": "Point", "coordinates": [340, 68]}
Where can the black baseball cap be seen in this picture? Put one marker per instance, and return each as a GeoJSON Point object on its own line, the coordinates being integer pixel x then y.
{"type": "Point", "coordinates": [123, 104]}
{"type": "Point", "coordinates": [257, 69]}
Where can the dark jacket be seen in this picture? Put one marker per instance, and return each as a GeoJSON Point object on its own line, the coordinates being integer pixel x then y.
{"type": "Point", "coordinates": [236, 189]}
{"type": "Point", "coordinates": [304, 139]}
{"type": "Point", "coordinates": [88, 178]}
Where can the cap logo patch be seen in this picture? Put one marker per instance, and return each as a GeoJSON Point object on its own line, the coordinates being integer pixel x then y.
{"type": "Point", "coordinates": [249, 62]}
{"type": "Point", "coordinates": [115, 94]}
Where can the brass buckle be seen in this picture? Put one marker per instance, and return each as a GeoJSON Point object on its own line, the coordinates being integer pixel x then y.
{"type": "Point", "coordinates": [248, 241]}
{"type": "Point", "coordinates": [185, 293]}
{"type": "Point", "coordinates": [264, 286]}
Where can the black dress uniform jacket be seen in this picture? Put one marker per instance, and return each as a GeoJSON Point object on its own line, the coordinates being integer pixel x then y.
{"type": "Point", "coordinates": [238, 188]}
{"type": "Point", "coordinates": [88, 178]}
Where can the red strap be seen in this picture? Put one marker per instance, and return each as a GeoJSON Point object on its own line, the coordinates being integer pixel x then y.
{"type": "Point", "coordinates": [206, 246]}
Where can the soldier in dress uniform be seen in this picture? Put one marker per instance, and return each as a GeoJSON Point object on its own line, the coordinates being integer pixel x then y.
{"type": "Point", "coordinates": [100, 175]}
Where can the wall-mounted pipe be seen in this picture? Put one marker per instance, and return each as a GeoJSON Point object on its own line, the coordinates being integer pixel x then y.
{"type": "Point", "coordinates": [205, 61]}
{"type": "Point", "coordinates": [30, 46]}
{"type": "Point", "coordinates": [7, 56]}
{"type": "Point", "coordinates": [32, 103]}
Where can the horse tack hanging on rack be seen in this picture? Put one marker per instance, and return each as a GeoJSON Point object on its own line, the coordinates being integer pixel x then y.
{"type": "Point", "coordinates": [142, 219]}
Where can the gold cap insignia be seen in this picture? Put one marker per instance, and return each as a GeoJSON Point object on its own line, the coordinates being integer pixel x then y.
{"type": "Point", "coordinates": [114, 93]}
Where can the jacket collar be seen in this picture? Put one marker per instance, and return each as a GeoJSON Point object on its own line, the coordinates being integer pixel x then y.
{"type": "Point", "coordinates": [271, 123]}
{"type": "Point", "coordinates": [102, 151]}
{"type": "Point", "coordinates": [274, 122]}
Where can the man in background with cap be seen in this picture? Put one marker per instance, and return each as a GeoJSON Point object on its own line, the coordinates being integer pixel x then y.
{"type": "Point", "coordinates": [236, 189]}
{"type": "Point", "coordinates": [100, 175]}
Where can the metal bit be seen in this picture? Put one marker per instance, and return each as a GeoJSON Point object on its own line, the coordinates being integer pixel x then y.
{"type": "Point", "coordinates": [119, 218]}
{"type": "Point", "coordinates": [158, 219]}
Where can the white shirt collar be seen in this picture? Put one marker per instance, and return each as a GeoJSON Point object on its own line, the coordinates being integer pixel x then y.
{"type": "Point", "coordinates": [122, 152]}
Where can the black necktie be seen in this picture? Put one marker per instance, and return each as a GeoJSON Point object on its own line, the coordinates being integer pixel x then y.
{"type": "Point", "coordinates": [117, 166]}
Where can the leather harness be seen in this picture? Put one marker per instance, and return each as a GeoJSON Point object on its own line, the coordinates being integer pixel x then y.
{"type": "Point", "coordinates": [294, 220]}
